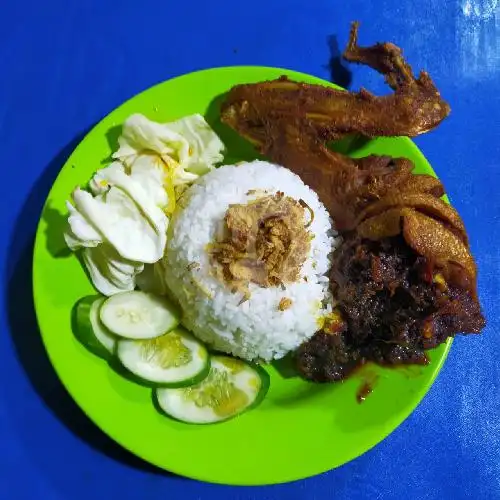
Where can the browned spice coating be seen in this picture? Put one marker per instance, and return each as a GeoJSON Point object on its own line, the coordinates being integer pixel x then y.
{"type": "Point", "coordinates": [413, 108]}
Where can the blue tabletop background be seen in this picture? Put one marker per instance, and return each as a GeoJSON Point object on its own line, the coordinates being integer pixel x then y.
{"type": "Point", "coordinates": [65, 64]}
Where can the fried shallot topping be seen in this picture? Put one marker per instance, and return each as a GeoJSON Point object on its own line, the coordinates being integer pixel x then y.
{"type": "Point", "coordinates": [265, 242]}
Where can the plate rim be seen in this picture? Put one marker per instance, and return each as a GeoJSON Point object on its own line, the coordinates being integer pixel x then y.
{"type": "Point", "coordinates": [395, 424]}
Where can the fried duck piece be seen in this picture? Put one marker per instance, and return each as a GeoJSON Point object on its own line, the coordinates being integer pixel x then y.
{"type": "Point", "coordinates": [404, 278]}
{"type": "Point", "coordinates": [289, 122]}
{"type": "Point", "coordinates": [419, 286]}
{"type": "Point", "coordinates": [415, 106]}
{"type": "Point", "coordinates": [346, 186]}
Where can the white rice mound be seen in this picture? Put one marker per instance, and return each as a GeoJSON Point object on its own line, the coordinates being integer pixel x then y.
{"type": "Point", "coordinates": [255, 329]}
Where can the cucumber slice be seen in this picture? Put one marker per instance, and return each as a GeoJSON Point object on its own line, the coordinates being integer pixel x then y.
{"type": "Point", "coordinates": [175, 359]}
{"type": "Point", "coordinates": [89, 328]}
{"type": "Point", "coordinates": [231, 387]}
{"type": "Point", "coordinates": [138, 315]}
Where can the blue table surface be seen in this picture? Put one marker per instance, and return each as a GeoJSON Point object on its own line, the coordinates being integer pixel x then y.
{"type": "Point", "coordinates": [65, 64]}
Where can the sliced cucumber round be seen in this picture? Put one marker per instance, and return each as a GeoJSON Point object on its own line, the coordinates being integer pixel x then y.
{"type": "Point", "coordinates": [175, 359]}
{"type": "Point", "coordinates": [232, 387]}
{"type": "Point", "coordinates": [89, 328]}
{"type": "Point", "coordinates": [138, 315]}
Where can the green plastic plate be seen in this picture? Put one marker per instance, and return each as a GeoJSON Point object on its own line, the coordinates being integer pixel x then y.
{"type": "Point", "coordinates": [300, 429]}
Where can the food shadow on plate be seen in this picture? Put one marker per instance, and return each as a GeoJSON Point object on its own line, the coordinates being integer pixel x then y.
{"type": "Point", "coordinates": [285, 367]}
{"type": "Point", "coordinates": [363, 416]}
{"type": "Point", "coordinates": [54, 219]}
{"type": "Point", "coordinates": [115, 365]}
{"type": "Point", "coordinates": [301, 391]}
{"type": "Point", "coordinates": [349, 145]}
{"type": "Point", "coordinates": [55, 222]}
{"type": "Point", "coordinates": [26, 339]}
{"type": "Point", "coordinates": [358, 395]}
{"type": "Point", "coordinates": [112, 136]}
{"type": "Point", "coordinates": [371, 405]}
{"type": "Point", "coordinates": [305, 393]}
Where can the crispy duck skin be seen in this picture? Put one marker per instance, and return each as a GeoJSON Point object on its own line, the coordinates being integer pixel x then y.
{"type": "Point", "coordinates": [428, 237]}
{"type": "Point", "coordinates": [426, 203]}
{"type": "Point", "coordinates": [415, 106]}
